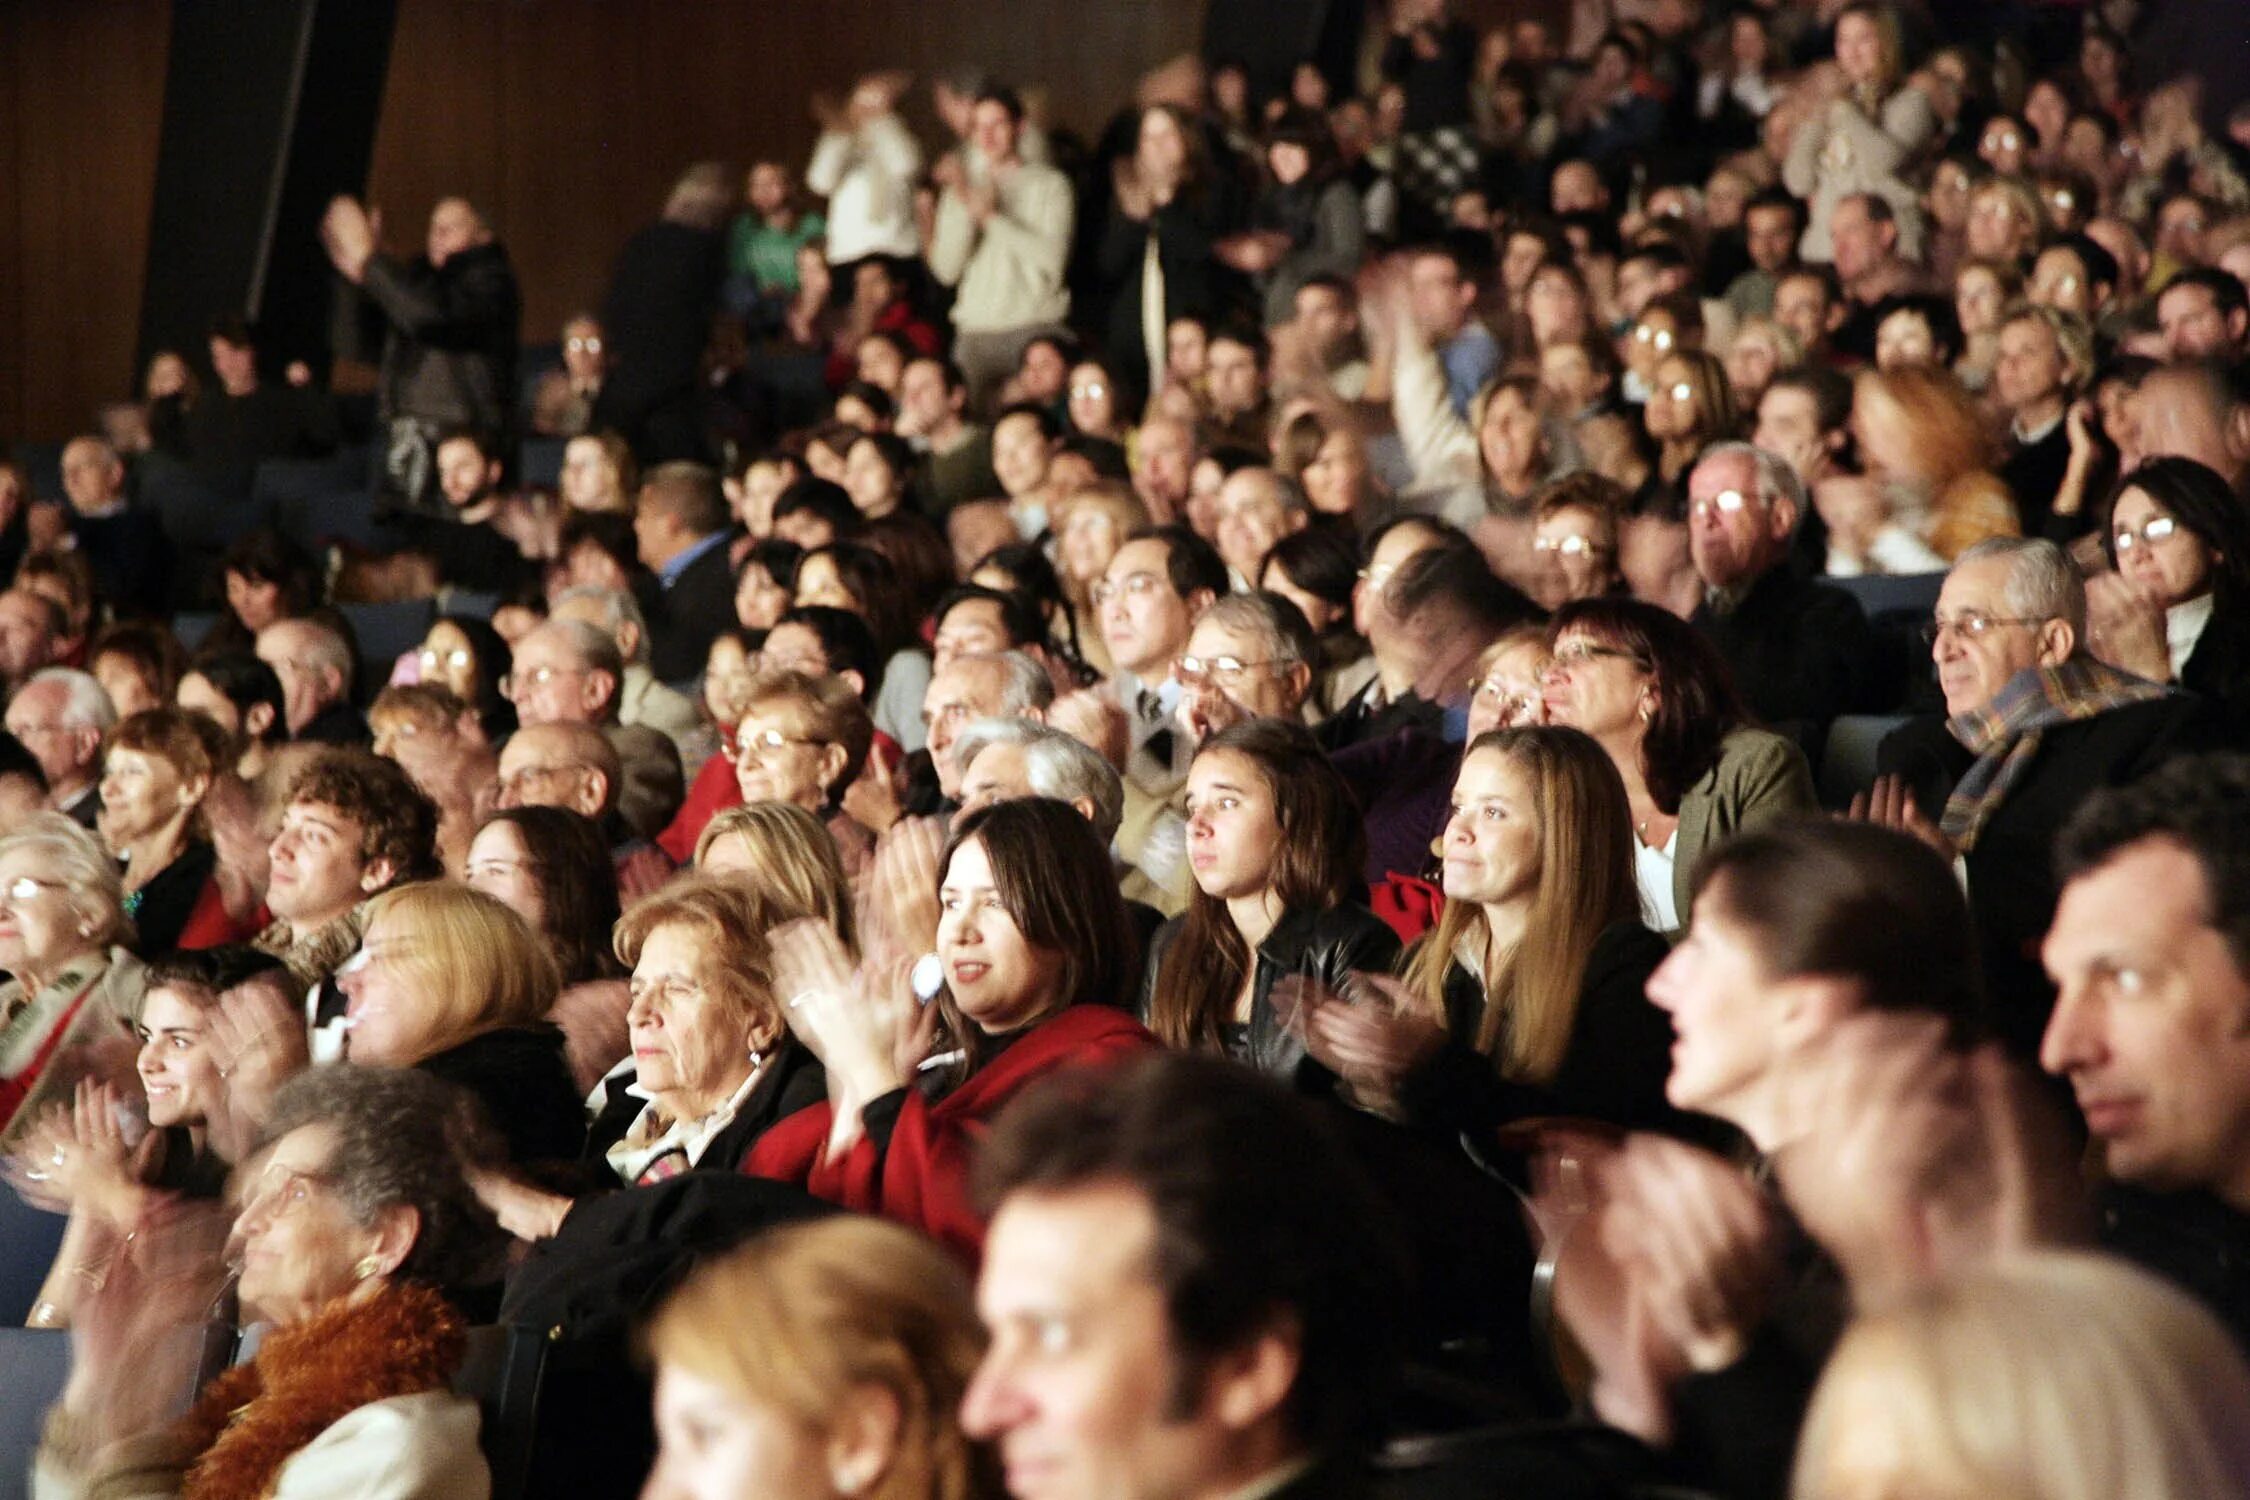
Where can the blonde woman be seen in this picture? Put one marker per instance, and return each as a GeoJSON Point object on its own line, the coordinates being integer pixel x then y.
{"type": "Point", "coordinates": [453, 982]}
{"type": "Point", "coordinates": [1760, 350]}
{"type": "Point", "coordinates": [2051, 1376]}
{"type": "Point", "coordinates": [1863, 127]}
{"type": "Point", "coordinates": [1528, 998]}
{"type": "Point", "coordinates": [785, 862]}
{"type": "Point", "coordinates": [819, 1361]}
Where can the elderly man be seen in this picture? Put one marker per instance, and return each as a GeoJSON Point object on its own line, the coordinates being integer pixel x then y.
{"type": "Point", "coordinates": [315, 667]}
{"type": "Point", "coordinates": [1230, 1301]}
{"type": "Point", "coordinates": [680, 523]}
{"type": "Point", "coordinates": [448, 324]}
{"type": "Point", "coordinates": [989, 685]}
{"type": "Point", "coordinates": [60, 715]}
{"type": "Point", "coordinates": [641, 699]}
{"type": "Point", "coordinates": [1257, 508]}
{"type": "Point", "coordinates": [1799, 649]}
{"type": "Point", "coordinates": [132, 573]}
{"type": "Point", "coordinates": [2033, 726]}
{"type": "Point", "coordinates": [1249, 657]}
{"type": "Point", "coordinates": [2150, 955]}
{"type": "Point", "coordinates": [568, 672]}
{"type": "Point", "coordinates": [1164, 467]}
{"type": "Point", "coordinates": [574, 766]}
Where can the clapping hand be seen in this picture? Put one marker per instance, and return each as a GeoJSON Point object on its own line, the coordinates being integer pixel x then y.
{"type": "Point", "coordinates": [863, 1024]}
{"type": "Point", "coordinates": [350, 234]}
{"type": "Point", "coordinates": [1371, 1040]}
{"type": "Point", "coordinates": [1890, 803]}
{"type": "Point", "coordinates": [257, 1041]}
{"type": "Point", "coordinates": [73, 1154]}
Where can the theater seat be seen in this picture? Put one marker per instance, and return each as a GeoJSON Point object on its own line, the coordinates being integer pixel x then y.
{"type": "Point", "coordinates": [502, 1371]}
{"type": "Point", "coordinates": [541, 466]}
{"type": "Point", "coordinates": [1881, 594]}
{"type": "Point", "coordinates": [386, 632]}
{"type": "Point", "coordinates": [314, 522]}
{"type": "Point", "coordinates": [1847, 764]}
{"type": "Point", "coordinates": [34, 1363]}
{"type": "Point", "coordinates": [1567, 1460]}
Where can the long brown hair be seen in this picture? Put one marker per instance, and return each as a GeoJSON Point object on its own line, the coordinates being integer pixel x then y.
{"type": "Point", "coordinates": [1585, 883]}
{"type": "Point", "coordinates": [1318, 866]}
{"type": "Point", "coordinates": [1697, 703]}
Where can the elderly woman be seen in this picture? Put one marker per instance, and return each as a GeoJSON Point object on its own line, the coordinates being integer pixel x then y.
{"type": "Point", "coordinates": [451, 981]}
{"type": "Point", "coordinates": [551, 867]}
{"type": "Point", "coordinates": [1656, 695]}
{"type": "Point", "coordinates": [803, 740]}
{"type": "Point", "coordinates": [72, 983]}
{"type": "Point", "coordinates": [838, 1352]}
{"type": "Point", "coordinates": [1090, 525]}
{"type": "Point", "coordinates": [356, 1224]}
{"type": "Point", "coordinates": [1033, 949]}
{"type": "Point", "coordinates": [159, 765]}
{"type": "Point", "coordinates": [1574, 538]}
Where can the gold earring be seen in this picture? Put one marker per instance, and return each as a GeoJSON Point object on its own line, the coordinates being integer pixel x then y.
{"type": "Point", "coordinates": [368, 1266]}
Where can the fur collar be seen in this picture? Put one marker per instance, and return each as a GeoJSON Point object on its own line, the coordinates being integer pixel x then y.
{"type": "Point", "coordinates": [254, 1418]}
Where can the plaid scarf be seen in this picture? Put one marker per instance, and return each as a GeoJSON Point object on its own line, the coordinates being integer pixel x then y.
{"type": "Point", "coordinates": [2004, 735]}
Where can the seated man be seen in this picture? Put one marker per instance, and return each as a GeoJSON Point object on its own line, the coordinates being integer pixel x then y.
{"type": "Point", "coordinates": [61, 715]}
{"type": "Point", "coordinates": [986, 685]}
{"type": "Point", "coordinates": [1222, 1283]}
{"type": "Point", "coordinates": [1257, 508]}
{"type": "Point", "coordinates": [641, 699]}
{"type": "Point", "coordinates": [2033, 726]}
{"type": "Point", "coordinates": [569, 672]}
{"type": "Point", "coordinates": [464, 547]}
{"type": "Point", "coordinates": [126, 548]}
{"type": "Point", "coordinates": [1155, 588]}
{"type": "Point", "coordinates": [576, 767]}
{"type": "Point", "coordinates": [1799, 648]}
{"type": "Point", "coordinates": [315, 666]}
{"type": "Point", "coordinates": [681, 524]}
{"type": "Point", "coordinates": [353, 826]}
{"type": "Point", "coordinates": [31, 626]}
{"type": "Point", "coordinates": [2150, 955]}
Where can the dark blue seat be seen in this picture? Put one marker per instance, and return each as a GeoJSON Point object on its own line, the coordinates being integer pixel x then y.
{"type": "Point", "coordinates": [34, 1363]}
{"type": "Point", "coordinates": [191, 627]}
{"type": "Point", "coordinates": [42, 468]}
{"type": "Point", "coordinates": [1847, 764]}
{"type": "Point", "coordinates": [541, 466]}
{"type": "Point", "coordinates": [318, 521]}
{"type": "Point", "coordinates": [280, 480]}
{"type": "Point", "coordinates": [386, 632]}
{"type": "Point", "coordinates": [1881, 595]}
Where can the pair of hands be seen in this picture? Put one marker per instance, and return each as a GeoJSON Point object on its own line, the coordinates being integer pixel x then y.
{"type": "Point", "coordinates": [861, 1020]}
{"type": "Point", "coordinates": [2126, 627]}
{"type": "Point", "coordinates": [76, 1156]}
{"type": "Point", "coordinates": [1371, 1037]}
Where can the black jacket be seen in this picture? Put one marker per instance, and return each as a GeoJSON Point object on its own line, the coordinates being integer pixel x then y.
{"type": "Point", "coordinates": [794, 1079]}
{"type": "Point", "coordinates": [337, 724]}
{"type": "Point", "coordinates": [2190, 1239]}
{"type": "Point", "coordinates": [1324, 945]}
{"type": "Point", "coordinates": [1613, 1070]}
{"type": "Point", "coordinates": [450, 337]}
{"type": "Point", "coordinates": [657, 319]}
{"type": "Point", "coordinates": [695, 608]}
{"type": "Point", "coordinates": [2012, 887]}
{"type": "Point", "coordinates": [169, 899]}
{"type": "Point", "coordinates": [520, 1076]}
{"type": "Point", "coordinates": [2218, 671]}
{"type": "Point", "coordinates": [1800, 651]}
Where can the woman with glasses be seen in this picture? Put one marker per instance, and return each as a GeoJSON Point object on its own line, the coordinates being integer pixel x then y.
{"type": "Point", "coordinates": [1574, 539]}
{"type": "Point", "coordinates": [72, 984]}
{"type": "Point", "coordinates": [452, 982]}
{"type": "Point", "coordinates": [803, 740]}
{"type": "Point", "coordinates": [1690, 407]}
{"type": "Point", "coordinates": [1276, 846]}
{"type": "Point", "coordinates": [466, 656]}
{"type": "Point", "coordinates": [356, 1235]}
{"type": "Point", "coordinates": [2177, 608]}
{"type": "Point", "coordinates": [1506, 692]}
{"type": "Point", "coordinates": [1655, 694]}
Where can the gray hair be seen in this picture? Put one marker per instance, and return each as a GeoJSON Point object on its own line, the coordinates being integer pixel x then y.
{"type": "Point", "coordinates": [1024, 686]}
{"type": "Point", "coordinates": [2042, 582]}
{"type": "Point", "coordinates": [1268, 618]}
{"type": "Point", "coordinates": [1055, 764]}
{"type": "Point", "coordinates": [72, 859]}
{"type": "Point", "coordinates": [619, 608]}
{"type": "Point", "coordinates": [85, 705]}
{"type": "Point", "coordinates": [401, 1139]}
{"type": "Point", "coordinates": [1776, 477]}
{"type": "Point", "coordinates": [591, 644]}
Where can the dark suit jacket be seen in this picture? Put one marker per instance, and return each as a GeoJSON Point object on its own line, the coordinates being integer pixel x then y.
{"type": "Point", "coordinates": [2012, 886]}
{"type": "Point", "coordinates": [698, 605]}
{"type": "Point", "coordinates": [656, 319]}
{"type": "Point", "coordinates": [1800, 651]}
{"type": "Point", "coordinates": [2219, 673]}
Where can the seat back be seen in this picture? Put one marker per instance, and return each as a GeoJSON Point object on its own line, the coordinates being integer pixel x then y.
{"type": "Point", "coordinates": [1881, 594]}
{"type": "Point", "coordinates": [29, 1238]}
{"type": "Point", "coordinates": [34, 1363]}
{"type": "Point", "coordinates": [385, 632]}
{"type": "Point", "coordinates": [1847, 764]}
{"type": "Point", "coordinates": [501, 1372]}
{"type": "Point", "coordinates": [542, 460]}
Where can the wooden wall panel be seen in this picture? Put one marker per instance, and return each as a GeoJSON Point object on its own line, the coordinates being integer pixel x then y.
{"type": "Point", "coordinates": [82, 90]}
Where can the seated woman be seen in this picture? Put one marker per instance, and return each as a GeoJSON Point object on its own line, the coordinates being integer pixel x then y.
{"type": "Point", "coordinates": [802, 740]}
{"type": "Point", "coordinates": [72, 985]}
{"type": "Point", "coordinates": [1574, 539]}
{"type": "Point", "coordinates": [467, 656]}
{"type": "Point", "coordinates": [784, 859]}
{"type": "Point", "coordinates": [1326, 453]}
{"type": "Point", "coordinates": [1656, 695]}
{"type": "Point", "coordinates": [1317, 569]}
{"type": "Point", "coordinates": [1978, 1385]}
{"type": "Point", "coordinates": [1528, 997]}
{"type": "Point", "coordinates": [1090, 524]}
{"type": "Point", "coordinates": [852, 1340]}
{"type": "Point", "coordinates": [138, 663]}
{"type": "Point", "coordinates": [1277, 848]}
{"type": "Point", "coordinates": [1690, 407]}
{"type": "Point", "coordinates": [268, 579]}
{"type": "Point", "coordinates": [355, 1228]}
{"type": "Point", "coordinates": [452, 982]}
{"type": "Point", "coordinates": [78, 1161]}
{"type": "Point", "coordinates": [1034, 949]}
{"type": "Point", "coordinates": [846, 575]}
{"type": "Point", "coordinates": [1506, 690]}
{"type": "Point", "coordinates": [2178, 607]}
{"type": "Point", "coordinates": [551, 867]}
{"type": "Point", "coordinates": [729, 669]}
{"type": "Point", "coordinates": [241, 695]}
{"type": "Point", "coordinates": [598, 474]}
{"type": "Point", "coordinates": [1926, 445]}
{"type": "Point", "coordinates": [158, 767]}
{"type": "Point", "coordinates": [765, 584]}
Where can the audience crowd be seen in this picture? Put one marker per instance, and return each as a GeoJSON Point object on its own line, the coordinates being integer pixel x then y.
{"type": "Point", "coordinates": [1522, 772]}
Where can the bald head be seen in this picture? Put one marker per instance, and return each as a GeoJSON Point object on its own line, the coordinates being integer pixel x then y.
{"type": "Point", "coordinates": [560, 765]}
{"type": "Point", "coordinates": [314, 665]}
{"type": "Point", "coordinates": [2187, 411]}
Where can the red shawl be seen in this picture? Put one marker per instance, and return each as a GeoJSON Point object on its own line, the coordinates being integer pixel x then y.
{"type": "Point", "coordinates": [922, 1178]}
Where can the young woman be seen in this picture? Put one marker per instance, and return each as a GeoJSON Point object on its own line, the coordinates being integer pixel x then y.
{"type": "Point", "coordinates": [2178, 607]}
{"type": "Point", "coordinates": [1277, 846]}
{"type": "Point", "coordinates": [1528, 997]}
{"type": "Point", "coordinates": [1034, 950]}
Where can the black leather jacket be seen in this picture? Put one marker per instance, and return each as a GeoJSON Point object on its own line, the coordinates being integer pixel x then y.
{"type": "Point", "coordinates": [1323, 945]}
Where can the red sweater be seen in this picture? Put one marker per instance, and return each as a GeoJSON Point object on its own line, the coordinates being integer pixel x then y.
{"type": "Point", "coordinates": [921, 1177]}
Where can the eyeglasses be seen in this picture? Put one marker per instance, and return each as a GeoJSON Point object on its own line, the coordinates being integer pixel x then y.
{"type": "Point", "coordinates": [432, 659]}
{"type": "Point", "coordinates": [1726, 503]}
{"type": "Point", "coordinates": [1662, 338]}
{"type": "Point", "coordinates": [2156, 529]}
{"type": "Point", "coordinates": [1578, 653]}
{"type": "Point", "coordinates": [1135, 585]}
{"type": "Point", "coordinates": [1973, 625]}
{"type": "Point", "coordinates": [514, 684]}
{"type": "Point", "coordinates": [1510, 700]}
{"type": "Point", "coordinates": [1569, 546]}
{"type": "Point", "coordinates": [1679, 390]}
{"type": "Point", "coordinates": [1227, 671]}
{"type": "Point", "coordinates": [583, 345]}
{"type": "Point", "coordinates": [767, 743]}
{"type": "Point", "coordinates": [25, 888]}
{"type": "Point", "coordinates": [2002, 140]}
{"type": "Point", "coordinates": [1093, 392]}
